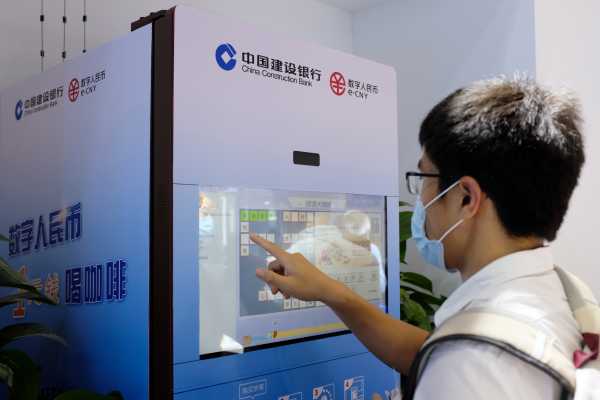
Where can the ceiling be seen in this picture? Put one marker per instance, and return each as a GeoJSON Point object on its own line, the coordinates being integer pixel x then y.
{"type": "Point", "coordinates": [353, 5]}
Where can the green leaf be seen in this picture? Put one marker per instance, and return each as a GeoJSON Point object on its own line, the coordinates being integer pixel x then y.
{"type": "Point", "coordinates": [11, 278]}
{"type": "Point", "coordinates": [404, 204]}
{"type": "Point", "coordinates": [35, 296]}
{"type": "Point", "coordinates": [3, 238]}
{"type": "Point", "coordinates": [25, 383]}
{"type": "Point", "coordinates": [403, 314]}
{"type": "Point", "coordinates": [415, 314]}
{"type": "Point", "coordinates": [425, 324]}
{"type": "Point", "coordinates": [418, 296]}
{"type": "Point", "coordinates": [19, 331]}
{"type": "Point", "coordinates": [426, 306]}
{"type": "Point", "coordinates": [403, 295]}
{"type": "Point", "coordinates": [6, 375]}
{"type": "Point", "coordinates": [405, 228]}
{"type": "Point", "coordinates": [403, 252]}
{"type": "Point", "coordinates": [407, 289]}
{"type": "Point", "coordinates": [417, 280]}
{"type": "Point", "coordinates": [426, 298]}
{"type": "Point", "coordinates": [413, 309]}
{"type": "Point", "coordinates": [80, 394]}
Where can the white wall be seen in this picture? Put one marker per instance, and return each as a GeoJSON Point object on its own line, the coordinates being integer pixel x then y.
{"type": "Point", "coordinates": [309, 20]}
{"type": "Point", "coordinates": [436, 47]}
{"type": "Point", "coordinates": [568, 55]}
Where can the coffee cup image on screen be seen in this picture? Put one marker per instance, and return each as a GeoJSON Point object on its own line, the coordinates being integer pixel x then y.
{"type": "Point", "coordinates": [342, 234]}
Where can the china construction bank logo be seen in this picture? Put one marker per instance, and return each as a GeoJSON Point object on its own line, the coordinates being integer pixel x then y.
{"type": "Point", "coordinates": [19, 110]}
{"type": "Point", "coordinates": [260, 65]}
{"type": "Point", "coordinates": [39, 101]}
{"type": "Point", "coordinates": [225, 56]}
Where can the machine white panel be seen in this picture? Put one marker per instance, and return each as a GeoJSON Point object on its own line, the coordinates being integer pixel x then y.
{"type": "Point", "coordinates": [236, 127]}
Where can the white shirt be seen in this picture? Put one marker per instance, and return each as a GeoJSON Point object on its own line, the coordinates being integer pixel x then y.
{"type": "Point", "coordinates": [522, 285]}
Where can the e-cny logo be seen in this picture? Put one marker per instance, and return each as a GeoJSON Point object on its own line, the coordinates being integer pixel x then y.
{"type": "Point", "coordinates": [337, 83]}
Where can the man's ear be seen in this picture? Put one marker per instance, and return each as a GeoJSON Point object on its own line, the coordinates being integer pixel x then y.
{"type": "Point", "coordinates": [472, 196]}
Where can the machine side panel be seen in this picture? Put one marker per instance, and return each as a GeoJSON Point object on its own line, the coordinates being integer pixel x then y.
{"type": "Point", "coordinates": [74, 167]}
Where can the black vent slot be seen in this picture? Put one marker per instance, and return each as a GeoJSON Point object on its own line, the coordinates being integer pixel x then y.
{"type": "Point", "coordinates": [304, 158]}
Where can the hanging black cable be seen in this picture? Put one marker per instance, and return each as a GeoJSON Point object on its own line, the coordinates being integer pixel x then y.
{"type": "Point", "coordinates": [84, 19]}
{"type": "Point", "coordinates": [42, 34]}
{"type": "Point", "coordinates": [64, 19]}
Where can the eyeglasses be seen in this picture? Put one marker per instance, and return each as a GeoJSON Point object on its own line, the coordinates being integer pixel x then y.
{"type": "Point", "coordinates": [414, 181]}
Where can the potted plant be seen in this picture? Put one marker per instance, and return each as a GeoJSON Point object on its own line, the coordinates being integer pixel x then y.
{"type": "Point", "coordinates": [418, 302]}
{"type": "Point", "coordinates": [17, 370]}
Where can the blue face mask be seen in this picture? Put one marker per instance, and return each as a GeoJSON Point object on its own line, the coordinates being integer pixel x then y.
{"type": "Point", "coordinates": [432, 251]}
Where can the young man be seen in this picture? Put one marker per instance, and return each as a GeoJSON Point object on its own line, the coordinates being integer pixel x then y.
{"type": "Point", "coordinates": [500, 161]}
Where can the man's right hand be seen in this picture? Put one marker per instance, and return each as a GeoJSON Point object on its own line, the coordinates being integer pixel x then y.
{"type": "Point", "coordinates": [393, 341]}
{"type": "Point", "coordinates": [293, 275]}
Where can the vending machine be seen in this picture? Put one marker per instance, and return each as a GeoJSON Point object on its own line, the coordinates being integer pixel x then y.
{"type": "Point", "coordinates": [132, 177]}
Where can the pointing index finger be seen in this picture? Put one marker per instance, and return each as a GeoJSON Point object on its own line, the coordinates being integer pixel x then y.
{"type": "Point", "coordinates": [270, 247]}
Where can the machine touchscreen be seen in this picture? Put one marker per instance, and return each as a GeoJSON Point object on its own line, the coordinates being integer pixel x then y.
{"type": "Point", "coordinates": [342, 234]}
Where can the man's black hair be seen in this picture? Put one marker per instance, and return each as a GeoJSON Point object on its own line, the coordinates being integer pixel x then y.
{"type": "Point", "coordinates": [520, 141]}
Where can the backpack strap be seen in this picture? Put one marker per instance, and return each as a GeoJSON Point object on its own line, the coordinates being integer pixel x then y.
{"type": "Point", "coordinates": [587, 314]}
{"type": "Point", "coordinates": [511, 335]}
{"type": "Point", "coordinates": [583, 304]}
{"type": "Point", "coordinates": [528, 343]}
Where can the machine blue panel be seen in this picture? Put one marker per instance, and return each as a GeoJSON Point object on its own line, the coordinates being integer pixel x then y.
{"type": "Point", "coordinates": [74, 166]}
{"type": "Point", "coordinates": [206, 373]}
{"type": "Point", "coordinates": [192, 374]}
{"type": "Point", "coordinates": [338, 379]}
